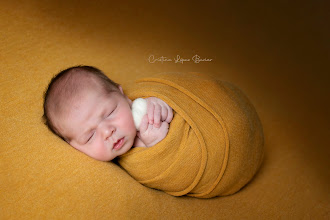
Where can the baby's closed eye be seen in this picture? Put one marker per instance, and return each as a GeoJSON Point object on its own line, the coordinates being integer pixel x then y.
{"type": "Point", "coordinates": [112, 112]}
{"type": "Point", "coordinates": [90, 137]}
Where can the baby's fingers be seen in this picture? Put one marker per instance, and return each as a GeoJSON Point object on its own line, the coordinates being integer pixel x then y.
{"type": "Point", "coordinates": [157, 116]}
{"type": "Point", "coordinates": [165, 126]}
{"type": "Point", "coordinates": [150, 112]}
{"type": "Point", "coordinates": [169, 115]}
{"type": "Point", "coordinates": [144, 124]}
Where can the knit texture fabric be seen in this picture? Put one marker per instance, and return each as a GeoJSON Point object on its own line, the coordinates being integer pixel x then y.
{"type": "Point", "coordinates": [273, 50]}
{"type": "Point", "coordinates": [215, 141]}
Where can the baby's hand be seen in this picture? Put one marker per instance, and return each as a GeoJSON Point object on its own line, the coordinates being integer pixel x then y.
{"type": "Point", "coordinates": [154, 125]}
{"type": "Point", "coordinates": [150, 134]}
{"type": "Point", "coordinates": [158, 112]}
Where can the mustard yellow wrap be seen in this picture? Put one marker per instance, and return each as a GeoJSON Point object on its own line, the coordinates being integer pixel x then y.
{"type": "Point", "coordinates": [215, 141]}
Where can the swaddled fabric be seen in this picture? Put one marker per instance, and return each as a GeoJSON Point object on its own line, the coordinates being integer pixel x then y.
{"type": "Point", "coordinates": [215, 141]}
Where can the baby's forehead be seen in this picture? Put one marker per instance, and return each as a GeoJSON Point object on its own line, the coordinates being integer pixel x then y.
{"type": "Point", "coordinates": [71, 90]}
{"type": "Point", "coordinates": [75, 107]}
{"type": "Point", "coordinates": [83, 96]}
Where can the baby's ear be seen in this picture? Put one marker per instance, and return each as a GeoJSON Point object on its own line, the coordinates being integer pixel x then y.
{"type": "Point", "coordinates": [122, 92]}
{"type": "Point", "coordinates": [121, 89]}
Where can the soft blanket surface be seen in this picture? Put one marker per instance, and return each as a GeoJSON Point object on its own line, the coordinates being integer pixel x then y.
{"type": "Point", "coordinates": [215, 141]}
{"type": "Point", "coordinates": [41, 177]}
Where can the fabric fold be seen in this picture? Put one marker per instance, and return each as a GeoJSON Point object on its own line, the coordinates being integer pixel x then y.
{"type": "Point", "coordinates": [215, 141]}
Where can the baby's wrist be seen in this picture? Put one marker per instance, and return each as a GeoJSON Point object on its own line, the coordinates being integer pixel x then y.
{"type": "Point", "coordinates": [146, 141]}
{"type": "Point", "coordinates": [139, 143]}
{"type": "Point", "coordinates": [150, 140]}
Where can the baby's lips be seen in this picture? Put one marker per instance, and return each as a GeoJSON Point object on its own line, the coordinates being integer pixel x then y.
{"type": "Point", "coordinates": [118, 144]}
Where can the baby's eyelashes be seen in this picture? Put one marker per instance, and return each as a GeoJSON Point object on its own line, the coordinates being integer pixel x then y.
{"type": "Point", "coordinates": [90, 137]}
{"type": "Point", "coordinates": [112, 112]}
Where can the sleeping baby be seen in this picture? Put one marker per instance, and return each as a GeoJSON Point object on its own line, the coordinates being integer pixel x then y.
{"type": "Point", "coordinates": [92, 114]}
{"type": "Point", "coordinates": [212, 145]}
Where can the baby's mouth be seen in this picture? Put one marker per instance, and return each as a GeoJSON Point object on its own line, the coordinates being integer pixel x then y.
{"type": "Point", "coordinates": [119, 143]}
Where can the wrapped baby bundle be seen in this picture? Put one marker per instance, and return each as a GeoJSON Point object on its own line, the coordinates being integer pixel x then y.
{"type": "Point", "coordinates": [215, 141]}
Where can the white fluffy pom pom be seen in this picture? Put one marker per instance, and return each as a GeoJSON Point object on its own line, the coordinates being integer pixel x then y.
{"type": "Point", "coordinates": [139, 109]}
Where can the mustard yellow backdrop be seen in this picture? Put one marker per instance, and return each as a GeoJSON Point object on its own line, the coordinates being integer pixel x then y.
{"type": "Point", "coordinates": [276, 52]}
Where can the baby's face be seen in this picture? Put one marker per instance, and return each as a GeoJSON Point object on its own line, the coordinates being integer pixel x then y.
{"type": "Point", "coordinates": [100, 125]}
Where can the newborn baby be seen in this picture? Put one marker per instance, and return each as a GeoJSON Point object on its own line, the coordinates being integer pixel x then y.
{"type": "Point", "coordinates": [213, 147]}
{"type": "Point", "coordinates": [91, 113]}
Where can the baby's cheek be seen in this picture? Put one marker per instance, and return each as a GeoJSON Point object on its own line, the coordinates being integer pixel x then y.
{"type": "Point", "coordinates": [101, 151]}
{"type": "Point", "coordinates": [129, 122]}
{"type": "Point", "coordinates": [128, 128]}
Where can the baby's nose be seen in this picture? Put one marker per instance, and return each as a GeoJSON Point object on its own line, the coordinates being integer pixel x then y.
{"type": "Point", "coordinates": [107, 131]}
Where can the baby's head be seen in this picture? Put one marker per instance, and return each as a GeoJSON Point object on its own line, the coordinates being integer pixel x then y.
{"type": "Point", "coordinates": [90, 112]}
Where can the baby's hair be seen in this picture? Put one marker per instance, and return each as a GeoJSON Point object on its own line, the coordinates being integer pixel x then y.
{"type": "Point", "coordinates": [67, 79]}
